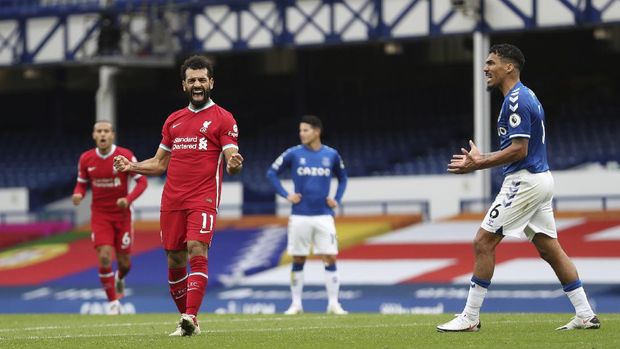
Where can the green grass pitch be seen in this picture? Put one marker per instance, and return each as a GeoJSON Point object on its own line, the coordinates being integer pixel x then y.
{"type": "Point", "coordinates": [303, 331]}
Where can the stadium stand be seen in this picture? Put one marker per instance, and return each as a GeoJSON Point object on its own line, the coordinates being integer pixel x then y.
{"type": "Point", "coordinates": [47, 165]}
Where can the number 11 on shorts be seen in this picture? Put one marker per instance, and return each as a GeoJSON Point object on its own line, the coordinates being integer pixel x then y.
{"type": "Point", "coordinates": [204, 223]}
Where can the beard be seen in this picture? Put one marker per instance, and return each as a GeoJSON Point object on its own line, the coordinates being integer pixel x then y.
{"type": "Point", "coordinates": [206, 94]}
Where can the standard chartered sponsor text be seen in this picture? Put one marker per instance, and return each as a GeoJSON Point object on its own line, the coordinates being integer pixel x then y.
{"type": "Point", "coordinates": [181, 143]}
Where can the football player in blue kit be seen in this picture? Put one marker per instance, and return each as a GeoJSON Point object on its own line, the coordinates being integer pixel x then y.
{"type": "Point", "coordinates": [524, 203]}
{"type": "Point", "coordinates": [311, 224]}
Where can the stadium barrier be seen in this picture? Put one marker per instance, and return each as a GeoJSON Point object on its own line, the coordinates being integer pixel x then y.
{"type": "Point", "coordinates": [351, 208]}
{"type": "Point", "coordinates": [591, 203]}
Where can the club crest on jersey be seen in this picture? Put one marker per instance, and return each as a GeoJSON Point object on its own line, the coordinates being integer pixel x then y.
{"type": "Point", "coordinates": [205, 126]}
{"type": "Point", "coordinates": [302, 161]}
{"type": "Point", "coordinates": [514, 120]}
{"type": "Point", "coordinates": [325, 162]}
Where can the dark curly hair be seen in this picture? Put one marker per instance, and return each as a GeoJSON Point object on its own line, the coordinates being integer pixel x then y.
{"type": "Point", "coordinates": [197, 62]}
{"type": "Point", "coordinates": [510, 53]}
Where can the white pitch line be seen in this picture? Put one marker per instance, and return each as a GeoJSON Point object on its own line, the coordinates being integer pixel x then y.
{"type": "Point", "coordinates": [127, 324]}
{"type": "Point", "coordinates": [309, 328]}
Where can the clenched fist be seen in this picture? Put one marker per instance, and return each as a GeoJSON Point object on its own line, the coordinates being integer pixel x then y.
{"type": "Point", "coordinates": [121, 163]}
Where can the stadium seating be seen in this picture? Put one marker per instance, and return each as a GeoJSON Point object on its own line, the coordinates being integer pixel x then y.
{"type": "Point", "coordinates": [378, 133]}
{"type": "Point", "coordinates": [43, 164]}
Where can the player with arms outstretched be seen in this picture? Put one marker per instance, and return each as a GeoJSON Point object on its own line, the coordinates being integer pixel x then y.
{"type": "Point", "coordinates": [312, 166]}
{"type": "Point", "coordinates": [195, 142]}
{"type": "Point", "coordinates": [524, 203]}
{"type": "Point", "coordinates": [111, 223]}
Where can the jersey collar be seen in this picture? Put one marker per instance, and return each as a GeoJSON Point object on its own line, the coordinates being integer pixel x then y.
{"type": "Point", "coordinates": [208, 105]}
{"type": "Point", "coordinates": [312, 150]}
{"type": "Point", "coordinates": [518, 85]}
{"type": "Point", "coordinates": [105, 156]}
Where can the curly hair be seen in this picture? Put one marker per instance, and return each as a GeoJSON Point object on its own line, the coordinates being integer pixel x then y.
{"type": "Point", "coordinates": [510, 53]}
{"type": "Point", "coordinates": [197, 62]}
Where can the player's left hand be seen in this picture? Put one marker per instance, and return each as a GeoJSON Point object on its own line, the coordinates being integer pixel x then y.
{"type": "Point", "coordinates": [465, 162]}
{"type": "Point", "coordinates": [234, 163]}
{"type": "Point", "coordinates": [331, 203]}
{"type": "Point", "coordinates": [122, 203]}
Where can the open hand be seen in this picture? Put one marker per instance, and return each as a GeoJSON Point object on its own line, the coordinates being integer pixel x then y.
{"type": "Point", "coordinates": [466, 161]}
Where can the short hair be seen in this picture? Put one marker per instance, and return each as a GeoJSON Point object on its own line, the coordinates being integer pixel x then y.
{"type": "Point", "coordinates": [511, 53]}
{"type": "Point", "coordinates": [313, 121]}
{"type": "Point", "coordinates": [197, 62]}
{"type": "Point", "coordinates": [104, 121]}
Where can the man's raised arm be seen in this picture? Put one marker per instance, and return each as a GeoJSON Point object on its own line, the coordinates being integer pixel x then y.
{"type": "Point", "coordinates": [154, 166]}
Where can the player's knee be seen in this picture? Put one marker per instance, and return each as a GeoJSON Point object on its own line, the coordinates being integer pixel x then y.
{"type": "Point", "coordinates": [176, 259]}
{"type": "Point", "coordinates": [197, 248]}
{"type": "Point", "coordinates": [105, 261]}
{"type": "Point", "coordinates": [329, 260]}
{"type": "Point", "coordinates": [299, 260]}
{"type": "Point", "coordinates": [482, 246]}
{"type": "Point", "coordinates": [545, 254]}
{"type": "Point", "coordinates": [124, 265]}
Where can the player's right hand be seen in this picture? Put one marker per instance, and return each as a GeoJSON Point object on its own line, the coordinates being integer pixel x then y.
{"type": "Point", "coordinates": [77, 198]}
{"type": "Point", "coordinates": [465, 162]}
{"type": "Point", "coordinates": [122, 203]}
{"type": "Point", "coordinates": [121, 163]}
{"type": "Point", "coordinates": [294, 198]}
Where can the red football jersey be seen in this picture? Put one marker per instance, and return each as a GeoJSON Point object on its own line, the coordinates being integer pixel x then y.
{"type": "Point", "coordinates": [106, 183]}
{"type": "Point", "coordinates": [196, 140]}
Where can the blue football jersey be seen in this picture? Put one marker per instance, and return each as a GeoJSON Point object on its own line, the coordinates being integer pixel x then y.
{"type": "Point", "coordinates": [522, 116]}
{"type": "Point", "coordinates": [311, 172]}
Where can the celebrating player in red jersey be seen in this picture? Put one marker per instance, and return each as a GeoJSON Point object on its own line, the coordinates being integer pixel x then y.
{"type": "Point", "coordinates": [111, 223]}
{"type": "Point", "coordinates": [193, 141]}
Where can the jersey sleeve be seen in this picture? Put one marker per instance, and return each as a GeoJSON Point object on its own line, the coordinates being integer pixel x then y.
{"type": "Point", "coordinates": [279, 165]}
{"type": "Point", "coordinates": [166, 138]}
{"type": "Point", "coordinates": [519, 118]}
{"type": "Point", "coordinates": [141, 182]}
{"type": "Point", "coordinates": [341, 173]}
{"type": "Point", "coordinates": [229, 133]}
{"type": "Point", "coordinates": [82, 177]}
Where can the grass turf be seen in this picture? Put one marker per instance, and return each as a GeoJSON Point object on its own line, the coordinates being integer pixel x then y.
{"type": "Point", "coordinates": [303, 331]}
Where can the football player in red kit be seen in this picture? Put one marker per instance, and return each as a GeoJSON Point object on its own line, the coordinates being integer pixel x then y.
{"type": "Point", "coordinates": [197, 141]}
{"type": "Point", "coordinates": [111, 223]}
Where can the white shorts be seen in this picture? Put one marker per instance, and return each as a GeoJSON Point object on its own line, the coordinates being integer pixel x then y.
{"type": "Point", "coordinates": [523, 206]}
{"type": "Point", "coordinates": [318, 232]}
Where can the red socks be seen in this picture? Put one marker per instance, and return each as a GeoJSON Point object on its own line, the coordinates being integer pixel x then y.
{"type": "Point", "coordinates": [196, 284]}
{"type": "Point", "coordinates": [177, 281]}
{"type": "Point", "coordinates": [106, 276]}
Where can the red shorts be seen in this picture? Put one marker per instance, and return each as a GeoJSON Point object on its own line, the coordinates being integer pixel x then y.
{"type": "Point", "coordinates": [179, 227]}
{"type": "Point", "coordinates": [112, 229]}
